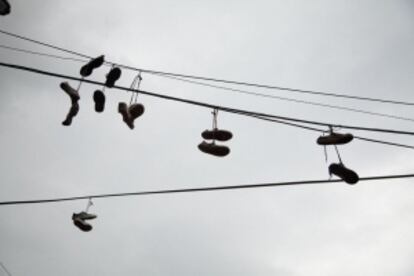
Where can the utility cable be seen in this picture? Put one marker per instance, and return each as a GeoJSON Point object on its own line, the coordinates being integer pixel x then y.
{"type": "Point", "coordinates": [296, 90]}
{"type": "Point", "coordinates": [207, 105]}
{"type": "Point", "coordinates": [231, 89]}
{"type": "Point", "coordinates": [201, 189]}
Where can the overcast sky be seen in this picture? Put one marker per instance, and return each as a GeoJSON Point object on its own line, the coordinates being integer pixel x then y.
{"type": "Point", "coordinates": [362, 48]}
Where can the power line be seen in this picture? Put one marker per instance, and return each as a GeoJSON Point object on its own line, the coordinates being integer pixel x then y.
{"type": "Point", "coordinates": [230, 89]}
{"type": "Point", "coordinates": [296, 90]}
{"type": "Point", "coordinates": [202, 189]}
{"type": "Point", "coordinates": [207, 105]}
{"type": "Point", "coordinates": [5, 269]}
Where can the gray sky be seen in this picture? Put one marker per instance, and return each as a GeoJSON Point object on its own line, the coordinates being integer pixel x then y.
{"type": "Point", "coordinates": [357, 47]}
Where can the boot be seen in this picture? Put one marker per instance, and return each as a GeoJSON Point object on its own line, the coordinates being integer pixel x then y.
{"type": "Point", "coordinates": [126, 116]}
{"type": "Point", "coordinates": [72, 93]}
{"type": "Point", "coordinates": [73, 111]}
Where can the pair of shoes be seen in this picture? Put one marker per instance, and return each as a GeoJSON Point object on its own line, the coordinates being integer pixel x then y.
{"type": "Point", "coordinates": [130, 113]}
{"type": "Point", "coordinates": [217, 134]}
{"type": "Point", "coordinates": [112, 77]}
{"type": "Point", "coordinates": [4, 7]}
{"type": "Point", "coordinates": [79, 220]}
{"type": "Point", "coordinates": [74, 98]}
{"type": "Point", "coordinates": [99, 99]}
{"type": "Point", "coordinates": [347, 175]}
{"type": "Point", "coordinates": [88, 68]}
{"type": "Point", "coordinates": [335, 139]}
{"type": "Point", "coordinates": [213, 149]}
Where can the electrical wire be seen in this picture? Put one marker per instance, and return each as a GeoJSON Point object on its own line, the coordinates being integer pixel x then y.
{"type": "Point", "coordinates": [207, 105]}
{"type": "Point", "coordinates": [272, 87]}
{"type": "Point", "coordinates": [231, 89]}
{"type": "Point", "coordinates": [201, 189]}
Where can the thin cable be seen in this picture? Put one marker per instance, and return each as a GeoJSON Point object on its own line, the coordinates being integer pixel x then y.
{"type": "Point", "coordinates": [40, 53]}
{"type": "Point", "coordinates": [5, 269]}
{"type": "Point", "coordinates": [202, 104]}
{"type": "Point", "coordinates": [291, 100]}
{"type": "Point", "coordinates": [296, 90]}
{"type": "Point", "coordinates": [202, 189]}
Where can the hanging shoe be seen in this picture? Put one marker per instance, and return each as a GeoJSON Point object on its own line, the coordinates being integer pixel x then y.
{"type": "Point", "coordinates": [112, 77]}
{"type": "Point", "coordinates": [335, 139]}
{"type": "Point", "coordinates": [88, 68]}
{"type": "Point", "coordinates": [79, 221]}
{"type": "Point", "coordinates": [73, 93]}
{"type": "Point", "coordinates": [136, 110]}
{"type": "Point", "coordinates": [99, 99]}
{"type": "Point", "coordinates": [217, 134]}
{"type": "Point", "coordinates": [4, 7]}
{"type": "Point", "coordinates": [73, 111]}
{"type": "Point", "coordinates": [213, 149]}
{"type": "Point", "coordinates": [126, 116]}
{"type": "Point", "coordinates": [347, 175]}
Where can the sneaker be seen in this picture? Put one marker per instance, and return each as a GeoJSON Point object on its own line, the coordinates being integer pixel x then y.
{"type": "Point", "coordinates": [347, 175]}
{"type": "Point", "coordinates": [79, 221]}
{"type": "Point", "coordinates": [213, 149]}
{"type": "Point", "coordinates": [73, 111]}
{"type": "Point", "coordinates": [112, 77]}
{"type": "Point", "coordinates": [126, 116]}
{"type": "Point", "coordinates": [99, 99]}
{"type": "Point", "coordinates": [72, 93]}
{"type": "Point", "coordinates": [335, 139]}
{"type": "Point", "coordinates": [217, 134]}
{"type": "Point", "coordinates": [87, 69]}
{"type": "Point", "coordinates": [136, 110]}
{"type": "Point", "coordinates": [86, 216]}
{"type": "Point", "coordinates": [4, 7]}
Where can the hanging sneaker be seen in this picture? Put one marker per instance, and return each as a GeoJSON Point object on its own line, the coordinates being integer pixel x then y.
{"type": "Point", "coordinates": [347, 175]}
{"type": "Point", "coordinates": [213, 149]}
{"type": "Point", "coordinates": [126, 116]}
{"type": "Point", "coordinates": [4, 7]}
{"type": "Point", "coordinates": [79, 221]}
{"type": "Point", "coordinates": [73, 111]}
{"type": "Point", "coordinates": [99, 99]}
{"type": "Point", "coordinates": [217, 134]}
{"type": "Point", "coordinates": [335, 139]}
{"type": "Point", "coordinates": [136, 110]}
{"type": "Point", "coordinates": [88, 68]}
{"type": "Point", "coordinates": [112, 77]}
{"type": "Point", "coordinates": [73, 93]}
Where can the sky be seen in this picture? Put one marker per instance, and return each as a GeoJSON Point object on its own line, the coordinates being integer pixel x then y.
{"type": "Point", "coordinates": [361, 48]}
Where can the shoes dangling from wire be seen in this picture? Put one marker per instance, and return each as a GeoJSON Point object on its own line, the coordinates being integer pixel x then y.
{"type": "Point", "coordinates": [112, 77]}
{"type": "Point", "coordinates": [93, 64]}
{"type": "Point", "coordinates": [215, 134]}
{"type": "Point", "coordinates": [338, 169]}
{"type": "Point", "coordinates": [79, 219]}
{"type": "Point", "coordinates": [4, 7]}
{"type": "Point", "coordinates": [134, 109]}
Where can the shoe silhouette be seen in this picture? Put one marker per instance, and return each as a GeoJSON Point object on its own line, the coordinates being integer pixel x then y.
{"type": "Point", "coordinates": [126, 117]}
{"type": "Point", "coordinates": [4, 7]}
{"type": "Point", "coordinates": [347, 175]}
{"type": "Point", "coordinates": [217, 134]}
{"type": "Point", "coordinates": [136, 110]}
{"type": "Point", "coordinates": [213, 149]}
{"type": "Point", "coordinates": [335, 139]}
{"type": "Point", "coordinates": [88, 68]}
{"type": "Point", "coordinates": [73, 111]}
{"type": "Point", "coordinates": [72, 93]}
{"type": "Point", "coordinates": [79, 220]}
{"type": "Point", "coordinates": [99, 99]}
{"type": "Point", "coordinates": [112, 77]}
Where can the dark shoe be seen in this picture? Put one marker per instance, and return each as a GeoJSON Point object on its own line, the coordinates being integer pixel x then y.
{"type": "Point", "coordinates": [126, 116]}
{"type": "Point", "coordinates": [347, 175]}
{"type": "Point", "coordinates": [86, 216]}
{"type": "Point", "coordinates": [72, 93]}
{"type": "Point", "coordinates": [112, 77]}
{"type": "Point", "coordinates": [136, 110]}
{"type": "Point", "coordinates": [217, 134]}
{"type": "Point", "coordinates": [73, 111]}
{"type": "Point", "coordinates": [79, 221]}
{"type": "Point", "coordinates": [335, 139]}
{"type": "Point", "coordinates": [99, 99]}
{"type": "Point", "coordinates": [4, 7]}
{"type": "Point", "coordinates": [88, 68]}
{"type": "Point", "coordinates": [213, 149]}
